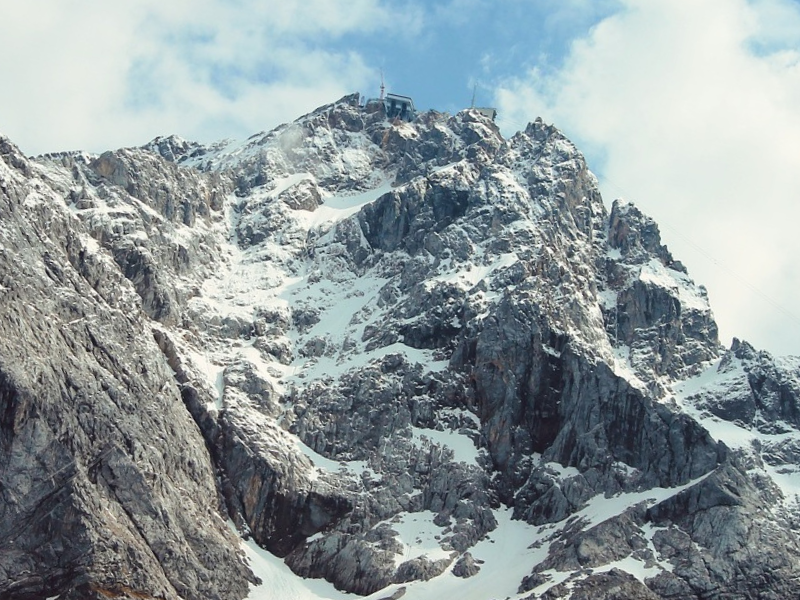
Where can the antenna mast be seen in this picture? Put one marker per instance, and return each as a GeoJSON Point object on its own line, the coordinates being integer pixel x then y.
{"type": "Point", "coordinates": [383, 88]}
{"type": "Point", "coordinates": [474, 89]}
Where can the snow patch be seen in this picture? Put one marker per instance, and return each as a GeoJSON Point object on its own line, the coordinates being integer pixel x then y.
{"type": "Point", "coordinates": [601, 508]}
{"type": "Point", "coordinates": [278, 582]}
{"type": "Point", "coordinates": [463, 447]}
{"type": "Point", "coordinates": [690, 296]}
{"type": "Point", "coordinates": [419, 536]}
{"type": "Point", "coordinates": [339, 207]}
{"type": "Point", "coordinates": [506, 557]}
{"type": "Point", "coordinates": [561, 471]}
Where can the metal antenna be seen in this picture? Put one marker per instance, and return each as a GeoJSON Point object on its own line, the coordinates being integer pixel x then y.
{"type": "Point", "coordinates": [474, 89]}
{"type": "Point", "coordinates": [383, 88]}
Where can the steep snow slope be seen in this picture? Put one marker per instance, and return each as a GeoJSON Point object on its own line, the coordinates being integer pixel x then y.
{"type": "Point", "coordinates": [426, 360]}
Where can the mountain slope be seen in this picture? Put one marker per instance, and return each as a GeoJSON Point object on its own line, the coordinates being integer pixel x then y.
{"type": "Point", "coordinates": [407, 356]}
{"type": "Point", "coordinates": [107, 485]}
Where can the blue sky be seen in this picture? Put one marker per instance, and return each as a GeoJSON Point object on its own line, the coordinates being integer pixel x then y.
{"type": "Point", "coordinates": [690, 108]}
{"type": "Point", "coordinates": [469, 46]}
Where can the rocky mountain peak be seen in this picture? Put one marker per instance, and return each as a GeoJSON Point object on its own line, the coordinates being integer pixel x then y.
{"type": "Point", "coordinates": [380, 349]}
{"type": "Point", "coordinates": [11, 155]}
{"type": "Point", "coordinates": [637, 236]}
{"type": "Point", "coordinates": [174, 148]}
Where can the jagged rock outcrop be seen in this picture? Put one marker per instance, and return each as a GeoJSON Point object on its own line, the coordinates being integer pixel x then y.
{"type": "Point", "coordinates": [735, 548]}
{"type": "Point", "coordinates": [273, 486]}
{"type": "Point", "coordinates": [665, 323]}
{"type": "Point", "coordinates": [613, 585]}
{"type": "Point", "coordinates": [757, 390]}
{"type": "Point", "coordinates": [137, 206]}
{"type": "Point", "coordinates": [466, 566]}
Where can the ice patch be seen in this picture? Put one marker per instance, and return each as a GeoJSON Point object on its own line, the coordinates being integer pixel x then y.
{"type": "Point", "coordinates": [787, 478]}
{"type": "Point", "coordinates": [352, 469]}
{"type": "Point", "coordinates": [623, 367]}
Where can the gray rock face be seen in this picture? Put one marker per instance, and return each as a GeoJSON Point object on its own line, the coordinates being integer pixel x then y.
{"type": "Point", "coordinates": [271, 487]}
{"type": "Point", "coordinates": [667, 330]}
{"type": "Point", "coordinates": [614, 585]}
{"type": "Point", "coordinates": [346, 561]}
{"type": "Point", "coordinates": [740, 550]}
{"type": "Point", "coordinates": [361, 341]}
{"type": "Point", "coordinates": [466, 566]}
{"type": "Point", "coordinates": [759, 390]}
{"type": "Point", "coordinates": [96, 503]}
{"type": "Point", "coordinates": [136, 205]}
{"type": "Point", "coordinates": [365, 418]}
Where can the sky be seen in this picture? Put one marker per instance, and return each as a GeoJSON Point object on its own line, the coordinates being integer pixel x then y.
{"type": "Point", "coordinates": [688, 108]}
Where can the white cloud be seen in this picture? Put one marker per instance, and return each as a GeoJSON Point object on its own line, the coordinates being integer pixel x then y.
{"type": "Point", "coordinates": [691, 108]}
{"type": "Point", "coordinates": [92, 75]}
{"type": "Point", "coordinates": [694, 108]}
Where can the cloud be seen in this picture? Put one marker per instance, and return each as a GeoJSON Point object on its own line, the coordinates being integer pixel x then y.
{"type": "Point", "coordinates": [92, 75]}
{"type": "Point", "coordinates": [692, 110]}
{"type": "Point", "coordinates": [688, 108]}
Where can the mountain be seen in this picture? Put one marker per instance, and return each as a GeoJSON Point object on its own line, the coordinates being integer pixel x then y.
{"type": "Point", "coordinates": [407, 359]}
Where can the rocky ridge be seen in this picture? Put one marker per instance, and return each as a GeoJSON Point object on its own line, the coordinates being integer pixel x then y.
{"type": "Point", "coordinates": [379, 349]}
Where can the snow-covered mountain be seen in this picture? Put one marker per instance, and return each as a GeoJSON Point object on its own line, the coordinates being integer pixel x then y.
{"type": "Point", "coordinates": [370, 356]}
